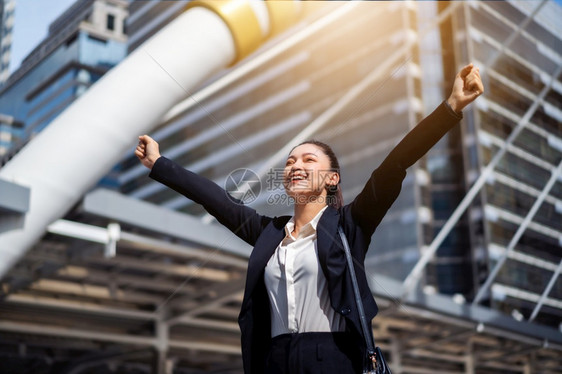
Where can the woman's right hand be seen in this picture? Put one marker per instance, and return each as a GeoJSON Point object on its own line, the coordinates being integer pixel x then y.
{"type": "Point", "coordinates": [147, 151]}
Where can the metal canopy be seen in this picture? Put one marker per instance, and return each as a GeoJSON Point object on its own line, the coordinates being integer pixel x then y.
{"type": "Point", "coordinates": [168, 299]}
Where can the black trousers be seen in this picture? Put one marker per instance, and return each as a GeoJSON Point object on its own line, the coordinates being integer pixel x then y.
{"type": "Point", "coordinates": [314, 353]}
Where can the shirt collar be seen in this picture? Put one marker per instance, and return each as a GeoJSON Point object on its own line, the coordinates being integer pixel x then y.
{"type": "Point", "coordinates": [290, 226]}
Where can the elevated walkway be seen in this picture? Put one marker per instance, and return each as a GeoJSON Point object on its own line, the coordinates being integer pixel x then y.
{"type": "Point", "coordinates": [130, 284]}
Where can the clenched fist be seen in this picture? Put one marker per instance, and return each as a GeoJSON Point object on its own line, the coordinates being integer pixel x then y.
{"type": "Point", "coordinates": [466, 88]}
{"type": "Point", "coordinates": [147, 151]}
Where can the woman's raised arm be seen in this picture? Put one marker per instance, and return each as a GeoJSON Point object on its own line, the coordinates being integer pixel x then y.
{"type": "Point", "coordinates": [384, 185]}
{"type": "Point", "coordinates": [243, 221]}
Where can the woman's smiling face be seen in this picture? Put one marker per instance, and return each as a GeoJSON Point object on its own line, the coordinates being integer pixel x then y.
{"type": "Point", "coordinates": [307, 171]}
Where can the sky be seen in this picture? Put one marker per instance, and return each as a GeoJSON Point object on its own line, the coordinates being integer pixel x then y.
{"type": "Point", "coordinates": [32, 20]}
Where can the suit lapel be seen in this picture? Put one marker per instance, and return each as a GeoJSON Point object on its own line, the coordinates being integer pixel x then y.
{"type": "Point", "coordinates": [326, 232]}
{"type": "Point", "coordinates": [332, 258]}
{"type": "Point", "coordinates": [265, 246]}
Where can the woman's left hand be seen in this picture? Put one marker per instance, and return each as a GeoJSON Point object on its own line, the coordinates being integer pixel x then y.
{"type": "Point", "coordinates": [467, 87]}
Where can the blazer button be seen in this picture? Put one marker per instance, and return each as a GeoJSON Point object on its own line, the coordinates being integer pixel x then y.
{"type": "Point", "coordinates": [345, 311]}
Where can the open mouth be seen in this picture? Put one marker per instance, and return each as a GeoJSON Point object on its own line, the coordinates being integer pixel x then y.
{"type": "Point", "coordinates": [298, 177]}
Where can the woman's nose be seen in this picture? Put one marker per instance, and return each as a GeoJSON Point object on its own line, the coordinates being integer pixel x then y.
{"type": "Point", "coordinates": [297, 165]}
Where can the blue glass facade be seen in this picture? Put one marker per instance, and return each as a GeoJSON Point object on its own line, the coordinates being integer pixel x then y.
{"type": "Point", "coordinates": [56, 80]}
{"type": "Point", "coordinates": [81, 46]}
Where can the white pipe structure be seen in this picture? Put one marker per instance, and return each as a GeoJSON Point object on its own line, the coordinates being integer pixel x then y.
{"type": "Point", "coordinates": [82, 144]}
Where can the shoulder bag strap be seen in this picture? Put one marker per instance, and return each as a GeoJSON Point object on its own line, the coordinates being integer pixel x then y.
{"type": "Point", "coordinates": [368, 342]}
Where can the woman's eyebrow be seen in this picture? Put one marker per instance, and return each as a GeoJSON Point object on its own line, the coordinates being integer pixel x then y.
{"type": "Point", "coordinates": [303, 155]}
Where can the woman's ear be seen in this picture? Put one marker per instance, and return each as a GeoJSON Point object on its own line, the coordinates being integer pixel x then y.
{"type": "Point", "coordinates": [334, 179]}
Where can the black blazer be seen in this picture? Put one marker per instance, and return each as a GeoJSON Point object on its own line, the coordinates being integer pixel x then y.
{"type": "Point", "coordinates": [358, 219]}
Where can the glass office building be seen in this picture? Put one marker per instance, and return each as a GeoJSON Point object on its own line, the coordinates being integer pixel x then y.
{"type": "Point", "coordinates": [7, 8]}
{"type": "Point", "coordinates": [516, 221]}
{"type": "Point", "coordinates": [244, 123]}
{"type": "Point", "coordinates": [82, 44]}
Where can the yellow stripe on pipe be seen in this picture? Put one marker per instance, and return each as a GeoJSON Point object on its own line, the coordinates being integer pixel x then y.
{"type": "Point", "coordinates": [240, 18]}
{"type": "Point", "coordinates": [282, 14]}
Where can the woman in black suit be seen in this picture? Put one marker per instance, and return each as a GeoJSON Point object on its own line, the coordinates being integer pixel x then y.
{"type": "Point", "coordinates": [298, 314]}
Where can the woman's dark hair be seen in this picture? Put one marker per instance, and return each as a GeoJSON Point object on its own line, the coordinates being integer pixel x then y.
{"type": "Point", "coordinates": [334, 197]}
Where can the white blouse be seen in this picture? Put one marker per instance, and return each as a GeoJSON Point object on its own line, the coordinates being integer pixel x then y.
{"type": "Point", "coordinates": [297, 287]}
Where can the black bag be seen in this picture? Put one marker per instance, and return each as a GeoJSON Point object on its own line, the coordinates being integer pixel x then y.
{"type": "Point", "coordinates": [374, 354]}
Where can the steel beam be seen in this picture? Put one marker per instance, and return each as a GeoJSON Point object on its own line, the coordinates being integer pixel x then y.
{"type": "Point", "coordinates": [468, 316]}
{"type": "Point", "coordinates": [232, 292]}
{"type": "Point", "coordinates": [115, 206]}
{"type": "Point", "coordinates": [505, 45]}
{"type": "Point", "coordinates": [445, 339]}
{"type": "Point", "coordinates": [546, 291]}
{"type": "Point", "coordinates": [103, 235]}
{"type": "Point", "coordinates": [84, 274]}
{"type": "Point", "coordinates": [134, 340]}
{"type": "Point", "coordinates": [209, 323]}
{"type": "Point", "coordinates": [164, 247]}
{"type": "Point", "coordinates": [76, 306]}
{"type": "Point", "coordinates": [92, 291]}
{"type": "Point", "coordinates": [232, 349]}
{"type": "Point", "coordinates": [520, 230]}
{"type": "Point", "coordinates": [28, 328]}
{"type": "Point", "coordinates": [178, 269]}
{"type": "Point", "coordinates": [162, 342]}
